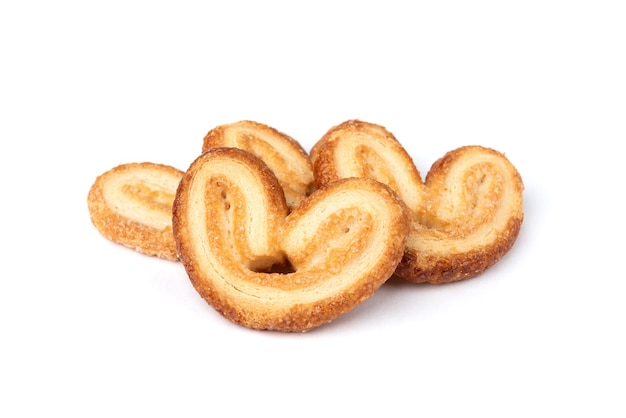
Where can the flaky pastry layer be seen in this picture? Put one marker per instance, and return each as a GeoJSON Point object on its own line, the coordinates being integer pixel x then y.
{"type": "Point", "coordinates": [282, 154]}
{"type": "Point", "coordinates": [131, 204]}
{"type": "Point", "coordinates": [265, 267]}
{"type": "Point", "coordinates": [465, 216]}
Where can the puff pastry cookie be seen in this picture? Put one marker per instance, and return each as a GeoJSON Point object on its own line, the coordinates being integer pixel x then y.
{"type": "Point", "coordinates": [131, 205]}
{"type": "Point", "coordinates": [466, 214]}
{"type": "Point", "coordinates": [265, 267]}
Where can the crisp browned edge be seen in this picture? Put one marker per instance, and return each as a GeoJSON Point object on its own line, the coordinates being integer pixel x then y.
{"type": "Point", "coordinates": [302, 317]}
{"type": "Point", "coordinates": [132, 234]}
{"type": "Point", "coordinates": [440, 269]}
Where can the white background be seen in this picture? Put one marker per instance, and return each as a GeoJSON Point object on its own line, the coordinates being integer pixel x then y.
{"type": "Point", "coordinates": [89, 328]}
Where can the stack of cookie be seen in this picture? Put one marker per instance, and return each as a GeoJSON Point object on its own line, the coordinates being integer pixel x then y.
{"type": "Point", "coordinates": [277, 238]}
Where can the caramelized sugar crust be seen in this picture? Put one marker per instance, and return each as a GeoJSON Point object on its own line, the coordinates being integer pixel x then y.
{"type": "Point", "coordinates": [465, 216]}
{"type": "Point", "coordinates": [266, 267]}
{"type": "Point", "coordinates": [282, 154]}
{"type": "Point", "coordinates": [131, 204]}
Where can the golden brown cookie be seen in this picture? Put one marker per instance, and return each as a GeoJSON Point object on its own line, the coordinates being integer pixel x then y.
{"type": "Point", "coordinates": [465, 216]}
{"type": "Point", "coordinates": [283, 154]}
{"type": "Point", "coordinates": [131, 205]}
{"type": "Point", "coordinates": [264, 267]}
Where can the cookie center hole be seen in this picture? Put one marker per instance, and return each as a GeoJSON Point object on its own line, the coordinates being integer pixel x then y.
{"type": "Point", "coordinates": [282, 268]}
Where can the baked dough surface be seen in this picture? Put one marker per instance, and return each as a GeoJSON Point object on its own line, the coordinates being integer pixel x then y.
{"type": "Point", "coordinates": [131, 204]}
{"type": "Point", "coordinates": [234, 231]}
{"type": "Point", "coordinates": [283, 155]}
{"type": "Point", "coordinates": [275, 238]}
{"type": "Point", "coordinates": [466, 214]}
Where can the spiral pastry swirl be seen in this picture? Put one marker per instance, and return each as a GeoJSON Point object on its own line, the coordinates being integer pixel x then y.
{"type": "Point", "coordinates": [265, 267]}
{"type": "Point", "coordinates": [465, 216]}
{"type": "Point", "coordinates": [282, 154]}
{"type": "Point", "coordinates": [131, 204]}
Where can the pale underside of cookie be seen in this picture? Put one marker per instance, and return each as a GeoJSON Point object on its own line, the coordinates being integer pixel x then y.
{"type": "Point", "coordinates": [465, 216]}
{"type": "Point", "coordinates": [234, 233]}
{"type": "Point", "coordinates": [131, 205]}
{"type": "Point", "coordinates": [282, 154]}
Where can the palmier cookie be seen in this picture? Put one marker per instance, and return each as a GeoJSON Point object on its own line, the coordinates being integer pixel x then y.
{"type": "Point", "coordinates": [264, 267]}
{"type": "Point", "coordinates": [131, 205]}
{"type": "Point", "coordinates": [283, 154]}
{"type": "Point", "coordinates": [465, 216]}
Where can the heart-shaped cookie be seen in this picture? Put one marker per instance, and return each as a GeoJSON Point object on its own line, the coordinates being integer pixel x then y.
{"type": "Point", "coordinates": [464, 217]}
{"type": "Point", "coordinates": [265, 267]}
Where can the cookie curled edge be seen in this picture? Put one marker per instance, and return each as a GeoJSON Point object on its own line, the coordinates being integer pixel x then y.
{"type": "Point", "coordinates": [340, 244]}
